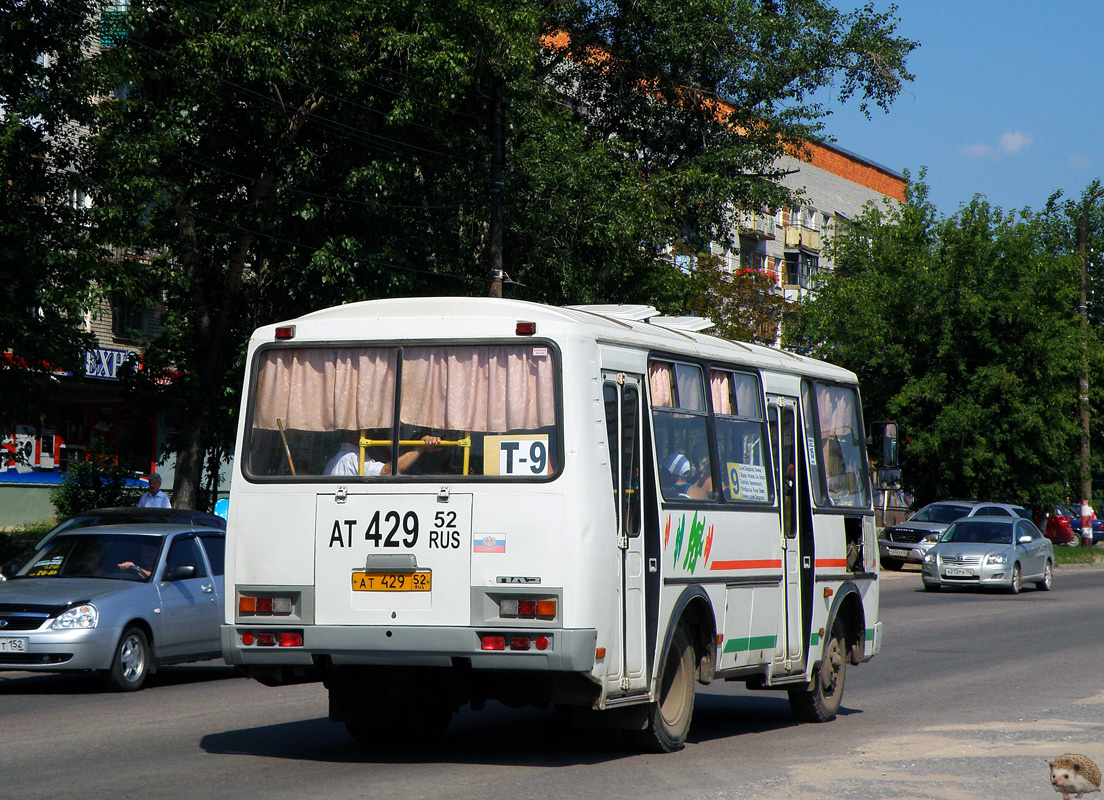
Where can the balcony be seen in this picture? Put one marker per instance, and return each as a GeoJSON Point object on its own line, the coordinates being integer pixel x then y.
{"type": "Point", "coordinates": [756, 225]}
{"type": "Point", "coordinates": [800, 237]}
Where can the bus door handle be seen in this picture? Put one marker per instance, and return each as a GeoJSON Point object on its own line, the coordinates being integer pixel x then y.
{"type": "Point", "coordinates": [807, 562]}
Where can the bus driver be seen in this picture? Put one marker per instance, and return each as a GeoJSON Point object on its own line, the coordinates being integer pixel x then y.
{"type": "Point", "coordinates": [346, 461]}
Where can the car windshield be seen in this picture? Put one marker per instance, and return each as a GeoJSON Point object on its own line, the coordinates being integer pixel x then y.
{"type": "Point", "coordinates": [979, 532]}
{"type": "Point", "coordinates": [126, 557]}
{"type": "Point", "coordinates": [940, 512]}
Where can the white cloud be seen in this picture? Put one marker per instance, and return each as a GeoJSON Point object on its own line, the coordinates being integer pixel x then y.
{"type": "Point", "coordinates": [1013, 142]}
{"type": "Point", "coordinates": [978, 150]}
{"type": "Point", "coordinates": [1081, 162]}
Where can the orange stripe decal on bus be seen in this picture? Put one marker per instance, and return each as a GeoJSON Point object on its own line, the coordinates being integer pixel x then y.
{"type": "Point", "coordinates": [766, 563]}
{"type": "Point", "coordinates": [831, 562]}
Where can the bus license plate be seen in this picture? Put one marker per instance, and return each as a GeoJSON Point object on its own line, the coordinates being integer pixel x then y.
{"type": "Point", "coordinates": [392, 581]}
{"type": "Point", "coordinates": [13, 645]}
{"type": "Point", "coordinates": [957, 572]}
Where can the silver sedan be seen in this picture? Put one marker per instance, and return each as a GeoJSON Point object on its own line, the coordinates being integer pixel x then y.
{"type": "Point", "coordinates": [996, 552]}
{"type": "Point", "coordinates": [119, 599]}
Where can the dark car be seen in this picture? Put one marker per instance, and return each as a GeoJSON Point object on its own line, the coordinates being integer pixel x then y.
{"type": "Point", "coordinates": [125, 515]}
{"type": "Point", "coordinates": [908, 541]}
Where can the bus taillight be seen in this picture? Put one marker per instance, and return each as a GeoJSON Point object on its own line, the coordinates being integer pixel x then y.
{"type": "Point", "coordinates": [527, 608]}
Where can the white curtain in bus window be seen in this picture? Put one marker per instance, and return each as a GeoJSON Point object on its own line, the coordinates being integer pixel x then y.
{"type": "Point", "coordinates": [841, 445]}
{"type": "Point", "coordinates": [492, 389]}
{"type": "Point", "coordinates": [739, 425]}
{"type": "Point", "coordinates": [325, 389]}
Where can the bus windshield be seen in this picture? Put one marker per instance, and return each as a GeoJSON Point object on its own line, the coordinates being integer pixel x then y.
{"type": "Point", "coordinates": [364, 412]}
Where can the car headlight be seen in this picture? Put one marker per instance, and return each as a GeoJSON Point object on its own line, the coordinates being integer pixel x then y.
{"type": "Point", "coordinates": [931, 538]}
{"type": "Point", "coordinates": [85, 616]}
{"type": "Point", "coordinates": [929, 557]}
{"type": "Point", "coordinates": [996, 558]}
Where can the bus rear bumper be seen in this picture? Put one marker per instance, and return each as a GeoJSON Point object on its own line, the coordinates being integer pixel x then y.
{"type": "Point", "coordinates": [564, 650]}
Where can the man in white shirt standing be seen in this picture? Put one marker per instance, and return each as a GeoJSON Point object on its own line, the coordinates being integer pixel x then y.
{"type": "Point", "coordinates": [154, 498]}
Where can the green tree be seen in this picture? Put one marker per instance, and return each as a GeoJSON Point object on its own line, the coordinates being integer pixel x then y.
{"type": "Point", "coordinates": [267, 159]}
{"type": "Point", "coordinates": [965, 331]}
{"type": "Point", "coordinates": [47, 268]}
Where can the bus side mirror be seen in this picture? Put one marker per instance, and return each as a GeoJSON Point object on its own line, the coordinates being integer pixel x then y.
{"type": "Point", "coordinates": [887, 432]}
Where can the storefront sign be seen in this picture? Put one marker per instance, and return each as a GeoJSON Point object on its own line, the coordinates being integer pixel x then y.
{"type": "Point", "coordinates": [103, 363]}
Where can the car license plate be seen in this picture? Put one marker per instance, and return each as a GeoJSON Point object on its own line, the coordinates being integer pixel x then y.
{"type": "Point", "coordinates": [13, 645]}
{"type": "Point", "coordinates": [957, 572]}
{"type": "Point", "coordinates": [420, 581]}
{"type": "Point", "coordinates": [898, 553]}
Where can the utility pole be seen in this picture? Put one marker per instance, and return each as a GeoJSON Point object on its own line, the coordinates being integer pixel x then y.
{"type": "Point", "coordinates": [498, 170]}
{"type": "Point", "coordinates": [1090, 197]}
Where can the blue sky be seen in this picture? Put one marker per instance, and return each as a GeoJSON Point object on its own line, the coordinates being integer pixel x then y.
{"type": "Point", "coordinates": [1007, 101]}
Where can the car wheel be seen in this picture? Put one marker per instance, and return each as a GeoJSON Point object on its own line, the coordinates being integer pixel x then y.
{"type": "Point", "coordinates": [1016, 584]}
{"type": "Point", "coordinates": [821, 701]}
{"type": "Point", "coordinates": [1075, 541]}
{"type": "Point", "coordinates": [669, 717]}
{"type": "Point", "coordinates": [932, 587]}
{"type": "Point", "coordinates": [1048, 578]}
{"type": "Point", "coordinates": [893, 564]}
{"type": "Point", "coordinates": [131, 663]}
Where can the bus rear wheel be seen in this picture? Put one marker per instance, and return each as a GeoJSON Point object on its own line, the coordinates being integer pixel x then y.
{"type": "Point", "coordinates": [669, 717]}
{"type": "Point", "coordinates": [820, 702]}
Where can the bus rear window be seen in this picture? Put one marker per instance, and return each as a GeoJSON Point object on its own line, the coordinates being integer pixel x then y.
{"type": "Point", "coordinates": [342, 413]}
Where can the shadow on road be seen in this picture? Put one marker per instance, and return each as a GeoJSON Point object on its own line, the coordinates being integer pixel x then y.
{"type": "Point", "coordinates": [79, 683]}
{"type": "Point", "coordinates": [501, 736]}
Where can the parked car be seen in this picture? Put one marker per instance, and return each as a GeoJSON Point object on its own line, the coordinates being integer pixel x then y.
{"type": "Point", "coordinates": [1064, 526]}
{"type": "Point", "coordinates": [118, 599]}
{"type": "Point", "coordinates": [116, 515]}
{"type": "Point", "coordinates": [908, 541]}
{"type": "Point", "coordinates": [1000, 552]}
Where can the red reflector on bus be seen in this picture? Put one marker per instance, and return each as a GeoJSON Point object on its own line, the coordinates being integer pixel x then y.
{"type": "Point", "coordinates": [248, 638]}
{"type": "Point", "coordinates": [266, 639]}
{"type": "Point", "coordinates": [285, 332]}
{"type": "Point", "coordinates": [264, 605]}
{"type": "Point", "coordinates": [527, 608]}
{"type": "Point", "coordinates": [525, 328]}
{"type": "Point", "coordinates": [519, 642]}
{"type": "Point", "coordinates": [493, 643]}
{"type": "Point", "coordinates": [291, 639]}
{"type": "Point", "coordinates": [542, 643]}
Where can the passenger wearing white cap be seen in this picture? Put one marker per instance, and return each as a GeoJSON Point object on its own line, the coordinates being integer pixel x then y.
{"type": "Point", "coordinates": [678, 467]}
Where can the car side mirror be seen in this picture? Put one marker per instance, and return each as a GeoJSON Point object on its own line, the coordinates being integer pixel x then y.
{"type": "Point", "coordinates": [1025, 539]}
{"type": "Point", "coordinates": [181, 572]}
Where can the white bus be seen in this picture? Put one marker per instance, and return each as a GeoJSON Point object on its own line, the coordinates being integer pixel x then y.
{"type": "Point", "coordinates": [443, 501]}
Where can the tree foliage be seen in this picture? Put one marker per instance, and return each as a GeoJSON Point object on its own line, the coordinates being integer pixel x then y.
{"type": "Point", "coordinates": [964, 330]}
{"type": "Point", "coordinates": [266, 159]}
{"type": "Point", "coordinates": [47, 269]}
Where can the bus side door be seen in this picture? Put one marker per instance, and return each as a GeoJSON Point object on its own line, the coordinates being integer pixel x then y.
{"type": "Point", "coordinates": [623, 397]}
{"type": "Point", "coordinates": [782, 419]}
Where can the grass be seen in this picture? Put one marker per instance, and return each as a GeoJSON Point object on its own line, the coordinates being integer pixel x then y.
{"type": "Point", "coordinates": [1078, 555]}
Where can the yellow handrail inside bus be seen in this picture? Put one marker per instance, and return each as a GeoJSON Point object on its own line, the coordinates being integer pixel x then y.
{"type": "Point", "coordinates": [365, 443]}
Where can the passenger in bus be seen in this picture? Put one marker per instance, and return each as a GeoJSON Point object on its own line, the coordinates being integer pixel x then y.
{"type": "Point", "coordinates": [702, 487]}
{"type": "Point", "coordinates": [346, 461]}
{"type": "Point", "coordinates": [677, 482]}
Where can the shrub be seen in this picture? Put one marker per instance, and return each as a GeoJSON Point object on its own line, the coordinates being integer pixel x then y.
{"type": "Point", "coordinates": [96, 482]}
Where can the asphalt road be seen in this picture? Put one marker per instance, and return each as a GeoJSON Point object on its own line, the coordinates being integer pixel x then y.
{"type": "Point", "coordinates": [970, 696]}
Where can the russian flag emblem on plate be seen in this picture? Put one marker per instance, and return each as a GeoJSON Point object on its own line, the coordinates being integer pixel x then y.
{"type": "Point", "coordinates": [489, 544]}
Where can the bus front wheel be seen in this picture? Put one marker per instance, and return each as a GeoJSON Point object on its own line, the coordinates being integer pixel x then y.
{"type": "Point", "coordinates": [820, 702]}
{"type": "Point", "coordinates": [669, 717]}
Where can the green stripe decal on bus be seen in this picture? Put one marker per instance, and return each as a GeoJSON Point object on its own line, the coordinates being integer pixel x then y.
{"type": "Point", "coordinates": [752, 643]}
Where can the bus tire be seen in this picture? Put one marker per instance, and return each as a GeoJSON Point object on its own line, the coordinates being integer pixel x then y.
{"type": "Point", "coordinates": [820, 702]}
{"type": "Point", "coordinates": [669, 717]}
